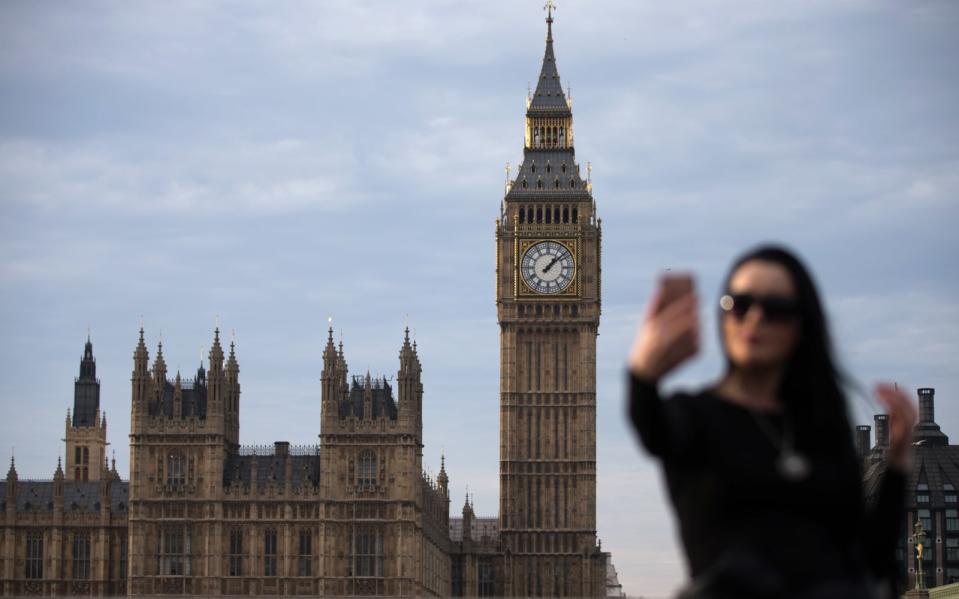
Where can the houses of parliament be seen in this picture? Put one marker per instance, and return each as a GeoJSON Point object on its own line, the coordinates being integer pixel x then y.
{"type": "Point", "coordinates": [354, 515]}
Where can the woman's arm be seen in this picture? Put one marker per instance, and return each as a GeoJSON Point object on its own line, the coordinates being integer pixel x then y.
{"type": "Point", "coordinates": [882, 525]}
{"type": "Point", "coordinates": [884, 518]}
{"type": "Point", "coordinates": [668, 336]}
{"type": "Point", "coordinates": [661, 429]}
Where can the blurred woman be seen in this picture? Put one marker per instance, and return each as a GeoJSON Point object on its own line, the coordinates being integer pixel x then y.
{"type": "Point", "coordinates": [761, 465]}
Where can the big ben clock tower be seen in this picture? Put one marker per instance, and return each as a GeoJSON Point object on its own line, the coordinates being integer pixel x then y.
{"type": "Point", "coordinates": [548, 306]}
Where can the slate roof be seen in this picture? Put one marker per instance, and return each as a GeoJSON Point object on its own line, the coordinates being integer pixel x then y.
{"type": "Point", "coordinates": [84, 496]}
{"type": "Point", "coordinates": [193, 399]}
{"type": "Point", "coordinates": [382, 403]}
{"type": "Point", "coordinates": [549, 96]}
{"type": "Point", "coordinates": [482, 527]}
{"type": "Point", "coordinates": [555, 180]}
{"type": "Point", "coordinates": [272, 469]}
{"type": "Point", "coordinates": [935, 464]}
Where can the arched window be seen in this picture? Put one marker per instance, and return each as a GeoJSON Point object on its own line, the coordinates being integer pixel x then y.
{"type": "Point", "coordinates": [522, 215]}
{"type": "Point", "coordinates": [175, 469]}
{"type": "Point", "coordinates": [539, 184]}
{"type": "Point", "coordinates": [575, 215]}
{"type": "Point", "coordinates": [566, 214]}
{"type": "Point", "coordinates": [562, 140]}
{"type": "Point", "coordinates": [549, 216]}
{"type": "Point", "coordinates": [539, 215]}
{"type": "Point", "coordinates": [533, 167]}
{"type": "Point", "coordinates": [548, 168]}
{"type": "Point", "coordinates": [524, 183]}
{"type": "Point", "coordinates": [535, 137]}
{"type": "Point", "coordinates": [366, 474]}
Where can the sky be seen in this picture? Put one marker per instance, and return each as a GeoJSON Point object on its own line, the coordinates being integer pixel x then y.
{"type": "Point", "coordinates": [268, 166]}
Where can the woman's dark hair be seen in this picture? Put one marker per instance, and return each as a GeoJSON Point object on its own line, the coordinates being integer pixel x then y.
{"type": "Point", "coordinates": [812, 385]}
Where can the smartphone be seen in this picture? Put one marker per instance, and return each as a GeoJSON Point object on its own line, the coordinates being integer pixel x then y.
{"type": "Point", "coordinates": [674, 286]}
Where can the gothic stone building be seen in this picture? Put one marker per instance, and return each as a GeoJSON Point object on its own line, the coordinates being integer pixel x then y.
{"type": "Point", "coordinates": [354, 515]}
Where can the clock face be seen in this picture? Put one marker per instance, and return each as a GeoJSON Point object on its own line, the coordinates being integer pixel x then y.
{"type": "Point", "coordinates": [548, 267]}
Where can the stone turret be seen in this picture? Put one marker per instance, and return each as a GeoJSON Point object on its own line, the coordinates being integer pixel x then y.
{"type": "Point", "coordinates": [85, 433]}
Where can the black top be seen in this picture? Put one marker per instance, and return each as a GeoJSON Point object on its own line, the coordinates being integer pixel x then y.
{"type": "Point", "coordinates": [720, 463]}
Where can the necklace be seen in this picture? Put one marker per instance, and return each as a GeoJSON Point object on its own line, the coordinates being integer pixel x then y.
{"type": "Point", "coordinates": [790, 464]}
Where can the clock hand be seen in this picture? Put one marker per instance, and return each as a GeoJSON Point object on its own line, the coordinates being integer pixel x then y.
{"type": "Point", "coordinates": [547, 268]}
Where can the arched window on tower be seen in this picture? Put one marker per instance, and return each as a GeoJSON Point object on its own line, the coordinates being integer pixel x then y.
{"type": "Point", "coordinates": [562, 141]}
{"type": "Point", "coordinates": [85, 463]}
{"type": "Point", "coordinates": [175, 469]}
{"type": "Point", "coordinates": [535, 137]}
{"type": "Point", "coordinates": [366, 474]}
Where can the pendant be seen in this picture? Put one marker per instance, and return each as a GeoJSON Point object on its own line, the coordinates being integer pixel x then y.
{"type": "Point", "coordinates": [793, 466]}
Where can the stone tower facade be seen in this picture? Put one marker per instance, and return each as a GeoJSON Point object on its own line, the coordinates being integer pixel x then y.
{"type": "Point", "coordinates": [387, 518]}
{"type": "Point", "coordinates": [86, 425]}
{"type": "Point", "coordinates": [548, 306]}
{"type": "Point", "coordinates": [181, 433]}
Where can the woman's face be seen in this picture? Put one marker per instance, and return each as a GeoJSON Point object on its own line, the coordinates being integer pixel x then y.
{"type": "Point", "coordinates": [753, 340]}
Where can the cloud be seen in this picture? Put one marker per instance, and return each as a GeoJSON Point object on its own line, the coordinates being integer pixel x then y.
{"type": "Point", "coordinates": [211, 177]}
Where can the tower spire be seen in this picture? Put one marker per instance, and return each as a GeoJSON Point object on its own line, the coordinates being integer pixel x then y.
{"type": "Point", "coordinates": [549, 96]}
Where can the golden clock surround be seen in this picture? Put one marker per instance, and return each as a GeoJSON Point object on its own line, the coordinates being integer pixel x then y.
{"type": "Point", "coordinates": [521, 289]}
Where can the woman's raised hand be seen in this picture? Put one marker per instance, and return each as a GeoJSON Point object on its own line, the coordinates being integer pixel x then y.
{"type": "Point", "coordinates": [902, 419]}
{"type": "Point", "coordinates": [668, 336]}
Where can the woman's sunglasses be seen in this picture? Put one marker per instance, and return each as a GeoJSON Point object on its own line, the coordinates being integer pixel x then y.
{"type": "Point", "coordinates": [775, 308]}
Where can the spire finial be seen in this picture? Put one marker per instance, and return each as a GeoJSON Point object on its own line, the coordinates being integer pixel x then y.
{"type": "Point", "coordinates": [549, 7]}
{"type": "Point", "coordinates": [88, 332]}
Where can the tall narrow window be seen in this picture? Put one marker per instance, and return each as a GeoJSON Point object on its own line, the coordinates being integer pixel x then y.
{"type": "Point", "coordinates": [952, 520]}
{"type": "Point", "coordinates": [366, 476]}
{"type": "Point", "coordinates": [81, 556]}
{"type": "Point", "coordinates": [952, 550]}
{"type": "Point", "coordinates": [86, 463]}
{"type": "Point", "coordinates": [174, 551]}
{"type": "Point", "coordinates": [122, 574]}
{"type": "Point", "coordinates": [236, 552]}
{"type": "Point", "coordinates": [269, 552]}
{"type": "Point", "coordinates": [367, 552]}
{"type": "Point", "coordinates": [175, 470]}
{"type": "Point", "coordinates": [34, 555]}
{"type": "Point", "coordinates": [486, 580]}
{"type": "Point", "coordinates": [305, 557]}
